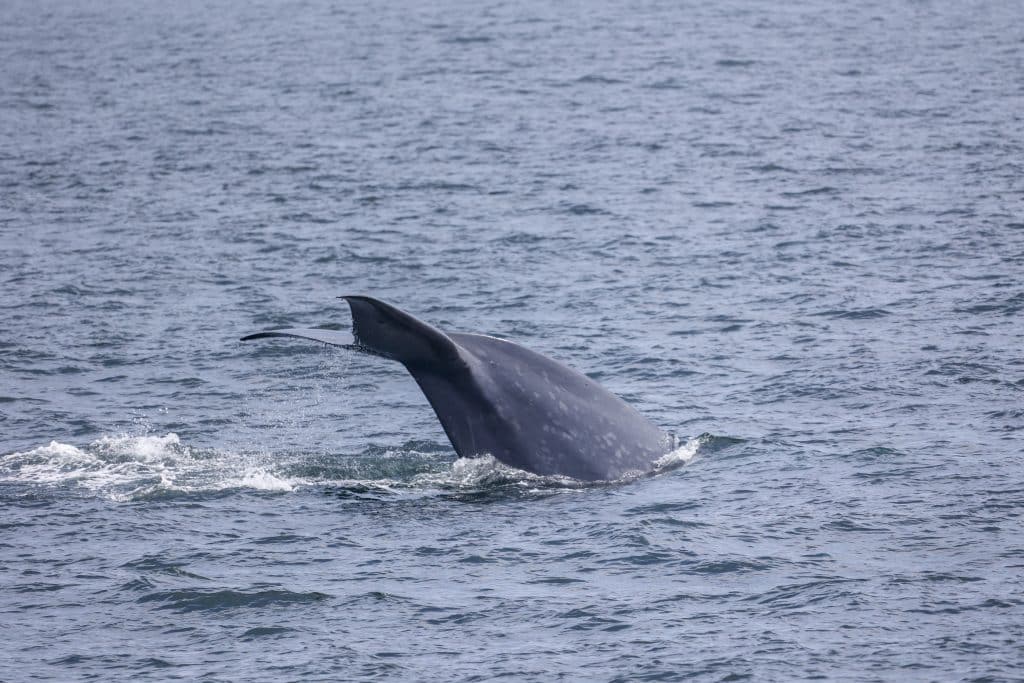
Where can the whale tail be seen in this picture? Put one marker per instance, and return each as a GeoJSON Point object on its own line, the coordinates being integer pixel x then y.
{"type": "Point", "coordinates": [332, 337]}
{"type": "Point", "coordinates": [384, 330]}
{"type": "Point", "coordinates": [380, 329]}
{"type": "Point", "coordinates": [494, 396]}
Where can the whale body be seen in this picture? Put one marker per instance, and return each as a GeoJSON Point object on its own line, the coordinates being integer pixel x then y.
{"type": "Point", "coordinates": [496, 397]}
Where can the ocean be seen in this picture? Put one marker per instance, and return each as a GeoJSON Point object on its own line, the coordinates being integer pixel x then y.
{"type": "Point", "coordinates": [791, 234]}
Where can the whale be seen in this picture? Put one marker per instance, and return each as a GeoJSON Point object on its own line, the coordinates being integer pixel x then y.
{"type": "Point", "coordinates": [495, 397]}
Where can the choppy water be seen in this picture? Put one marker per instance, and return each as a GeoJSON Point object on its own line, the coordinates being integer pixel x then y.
{"type": "Point", "coordinates": [794, 235]}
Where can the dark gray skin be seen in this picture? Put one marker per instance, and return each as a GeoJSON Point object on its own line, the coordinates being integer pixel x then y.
{"type": "Point", "coordinates": [495, 397]}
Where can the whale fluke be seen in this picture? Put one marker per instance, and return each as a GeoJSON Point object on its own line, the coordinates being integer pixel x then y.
{"type": "Point", "coordinates": [343, 339]}
{"type": "Point", "coordinates": [495, 397]}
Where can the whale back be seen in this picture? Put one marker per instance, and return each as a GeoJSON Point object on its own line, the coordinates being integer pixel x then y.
{"type": "Point", "coordinates": [544, 417]}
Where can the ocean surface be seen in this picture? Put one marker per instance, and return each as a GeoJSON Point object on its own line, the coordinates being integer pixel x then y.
{"type": "Point", "coordinates": [790, 233]}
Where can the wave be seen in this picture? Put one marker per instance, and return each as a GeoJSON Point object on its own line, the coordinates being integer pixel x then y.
{"type": "Point", "coordinates": [127, 467]}
{"type": "Point", "coordinates": [191, 600]}
{"type": "Point", "coordinates": [132, 467]}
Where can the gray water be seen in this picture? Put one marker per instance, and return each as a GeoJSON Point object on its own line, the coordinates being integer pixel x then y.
{"type": "Point", "coordinates": [792, 234]}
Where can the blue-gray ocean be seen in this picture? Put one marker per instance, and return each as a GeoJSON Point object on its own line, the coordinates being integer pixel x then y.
{"type": "Point", "coordinates": [790, 233]}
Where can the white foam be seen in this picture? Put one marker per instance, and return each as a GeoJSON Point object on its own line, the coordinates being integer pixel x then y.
{"type": "Point", "coordinates": [468, 473]}
{"type": "Point", "coordinates": [476, 472]}
{"type": "Point", "coordinates": [261, 480]}
{"type": "Point", "coordinates": [146, 448]}
{"type": "Point", "coordinates": [681, 455]}
{"type": "Point", "coordinates": [126, 467]}
{"type": "Point", "coordinates": [472, 472]}
{"type": "Point", "coordinates": [52, 464]}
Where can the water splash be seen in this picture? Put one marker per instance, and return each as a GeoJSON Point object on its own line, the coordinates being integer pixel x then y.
{"type": "Point", "coordinates": [682, 454]}
{"type": "Point", "coordinates": [132, 467]}
{"type": "Point", "coordinates": [127, 467]}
